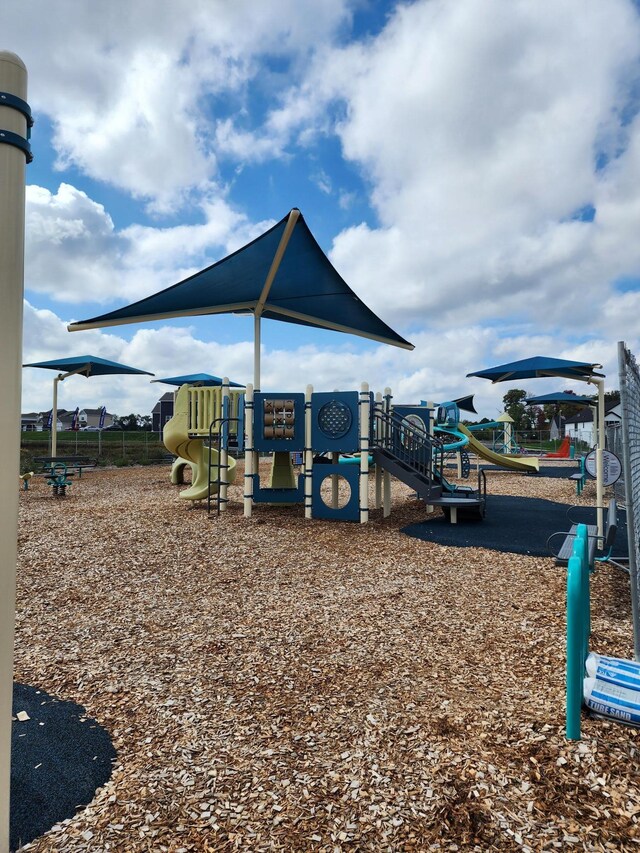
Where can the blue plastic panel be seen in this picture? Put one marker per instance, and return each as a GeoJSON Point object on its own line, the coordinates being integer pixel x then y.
{"type": "Point", "coordinates": [334, 417]}
{"type": "Point", "coordinates": [319, 509]}
{"type": "Point", "coordinates": [418, 416]}
{"type": "Point", "coordinates": [277, 496]}
{"type": "Point", "coordinates": [278, 422]}
{"type": "Point", "coordinates": [240, 424]}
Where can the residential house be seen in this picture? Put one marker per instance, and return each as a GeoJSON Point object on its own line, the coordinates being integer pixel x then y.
{"type": "Point", "coordinates": [29, 421]}
{"type": "Point", "coordinates": [91, 418]}
{"type": "Point", "coordinates": [557, 427]}
{"type": "Point", "coordinates": [162, 411]}
{"type": "Point", "coordinates": [580, 426]}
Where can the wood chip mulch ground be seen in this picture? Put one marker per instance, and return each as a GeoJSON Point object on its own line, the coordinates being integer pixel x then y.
{"type": "Point", "coordinates": [279, 684]}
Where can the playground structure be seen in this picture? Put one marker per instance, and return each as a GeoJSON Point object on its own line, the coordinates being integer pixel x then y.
{"type": "Point", "coordinates": [320, 427]}
{"type": "Point", "coordinates": [513, 463]}
{"type": "Point", "coordinates": [198, 416]}
{"type": "Point", "coordinates": [563, 451]}
{"type": "Point", "coordinates": [504, 443]}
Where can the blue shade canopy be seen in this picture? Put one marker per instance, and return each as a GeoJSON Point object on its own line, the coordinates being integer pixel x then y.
{"type": "Point", "coordinates": [87, 365]}
{"type": "Point", "coordinates": [204, 379]}
{"type": "Point", "coordinates": [537, 367]}
{"type": "Point", "coordinates": [561, 397]}
{"type": "Point", "coordinates": [466, 403]}
{"type": "Point", "coordinates": [281, 275]}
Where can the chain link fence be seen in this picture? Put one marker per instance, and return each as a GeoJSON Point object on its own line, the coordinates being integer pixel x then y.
{"type": "Point", "coordinates": [630, 454]}
{"type": "Point", "coordinates": [614, 442]}
{"type": "Point", "coordinates": [109, 447]}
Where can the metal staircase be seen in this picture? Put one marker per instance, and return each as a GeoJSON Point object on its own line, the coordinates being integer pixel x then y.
{"type": "Point", "coordinates": [413, 456]}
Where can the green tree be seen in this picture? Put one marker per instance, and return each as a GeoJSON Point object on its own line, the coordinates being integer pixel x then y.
{"type": "Point", "coordinates": [129, 423]}
{"type": "Point", "coordinates": [514, 406]}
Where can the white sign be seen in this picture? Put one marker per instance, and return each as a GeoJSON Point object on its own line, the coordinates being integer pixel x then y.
{"type": "Point", "coordinates": [611, 466]}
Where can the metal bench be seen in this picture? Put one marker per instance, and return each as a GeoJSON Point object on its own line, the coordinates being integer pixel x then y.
{"type": "Point", "coordinates": [580, 477]}
{"type": "Point", "coordinates": [604, 544]}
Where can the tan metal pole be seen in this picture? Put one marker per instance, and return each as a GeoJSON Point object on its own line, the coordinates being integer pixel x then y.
{"type": "Point", "coordinates": [13, 83]}
{"type": "Point", "coordinates": [54, 417]}
{"type": "Point", "coordinates": [599, 457]}
{"type": "Point", "coordinates": [273, 269]}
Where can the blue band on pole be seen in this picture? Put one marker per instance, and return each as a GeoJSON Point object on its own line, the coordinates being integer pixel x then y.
{"type": "Point", "coordinates": [9, 100]}
{"type": "Point", "coordinates": [17, 141]}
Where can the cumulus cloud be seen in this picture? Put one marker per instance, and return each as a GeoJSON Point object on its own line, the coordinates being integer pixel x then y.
{"type": "Point", "coordinates": [483, 131]}
{"type": "Point", "coordinates": [75, 254]}
{"type": "Point", "coordinates": [436, 370]}
{"type": "Point", "coordinates": [135, 90]}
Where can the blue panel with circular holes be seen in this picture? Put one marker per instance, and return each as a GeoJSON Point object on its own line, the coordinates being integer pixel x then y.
{"type": "Point", "coordinates": [334, 417]}
{"type": "Point", "coordinates": [351, 510]}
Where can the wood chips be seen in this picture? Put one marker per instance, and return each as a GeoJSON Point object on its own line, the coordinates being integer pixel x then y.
{"type": "Point", "coordinates": [291, 685]}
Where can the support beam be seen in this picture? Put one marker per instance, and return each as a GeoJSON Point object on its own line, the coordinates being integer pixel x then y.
{"type": "Point", "coordinates": [273, 269]}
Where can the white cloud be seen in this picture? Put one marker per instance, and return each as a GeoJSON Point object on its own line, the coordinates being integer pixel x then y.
{"type": "Point", "coordinates": [436, 370]}
{"type": "Point", "coordinates": [480, 127]}
{"type": "Point", "coordinates": [74, 253]}
{"type": "Point", "coordinates": [131, 87]}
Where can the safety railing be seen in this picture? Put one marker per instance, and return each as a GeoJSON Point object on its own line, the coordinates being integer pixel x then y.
{"type": "Point", "coordinates": [407, 443]}
{"type": "Point", "coordinates": [578, 629]}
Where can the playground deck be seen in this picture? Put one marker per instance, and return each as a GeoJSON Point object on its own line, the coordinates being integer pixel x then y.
{"type": "Point", "coordinates": [278, 684]}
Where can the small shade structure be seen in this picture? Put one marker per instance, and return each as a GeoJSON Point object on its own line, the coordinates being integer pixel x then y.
{"type": "Point", "coordinates": [560, 397]}
{"type": "Point", "coordinates": [466, 403]}
{"type": "Point", "coordinates": [80, 365]}
{"type": "Point", "coordinates": [537, 367]}
{"type": "Point", "coordinates": [282, 275]}
{"type": "Point", "coordinates": [205, 380]}
{"type": "Point", "coordinates": [540, 366]}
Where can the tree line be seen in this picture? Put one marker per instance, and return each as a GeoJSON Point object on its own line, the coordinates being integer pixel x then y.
{"type": "Point", "coordinates": [529, 418]}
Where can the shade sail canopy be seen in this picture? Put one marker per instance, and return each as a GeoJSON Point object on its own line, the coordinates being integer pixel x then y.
{"type": "Point", "coordinates": [281, 275]}
{"type": "Point", "coordinates": [466, 404]}
{"type": "Point", "coordinates": [205, 379]}
{"type": "Point", "coordinates": [87, 365]}
{"type": "Point", "coordinates": [561, 397]}
{"type": "Point", "coordinates": [537, 367]}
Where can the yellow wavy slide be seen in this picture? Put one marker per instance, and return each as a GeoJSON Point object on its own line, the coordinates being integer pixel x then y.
{"type": "Point", "coordinates": [192, 450]}
{"type": "Point", "coordinates": [514, 463]}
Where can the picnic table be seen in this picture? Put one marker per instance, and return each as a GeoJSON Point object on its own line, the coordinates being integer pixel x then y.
{"type": "Point", "coordinates": [74, 464]}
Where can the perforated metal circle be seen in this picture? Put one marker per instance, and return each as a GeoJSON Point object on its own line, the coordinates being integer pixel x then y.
{"type": "Point", "coordinates": [417, 432]}
{"type": "Point", "coordinates": [335, 419]}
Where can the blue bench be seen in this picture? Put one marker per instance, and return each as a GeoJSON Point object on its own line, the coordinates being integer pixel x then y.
{"type": "Point", "coordinates": [580, 477]}
{"type": "Point", "coordinates": [594, 542]}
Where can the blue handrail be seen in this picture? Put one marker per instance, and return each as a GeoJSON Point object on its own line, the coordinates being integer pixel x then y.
{"type": "Point", "coordinates": [578, 629]}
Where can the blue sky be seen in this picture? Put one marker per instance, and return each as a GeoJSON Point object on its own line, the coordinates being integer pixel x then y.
{"type": "Point", "coordinates": [472, 168]}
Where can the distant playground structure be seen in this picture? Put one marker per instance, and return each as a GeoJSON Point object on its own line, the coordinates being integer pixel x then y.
{"type": "Point", "coordinates": [322, 431]}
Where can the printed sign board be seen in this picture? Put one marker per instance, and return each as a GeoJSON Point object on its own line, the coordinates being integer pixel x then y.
{"type": "Point", "coordinates": [611, 466]}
